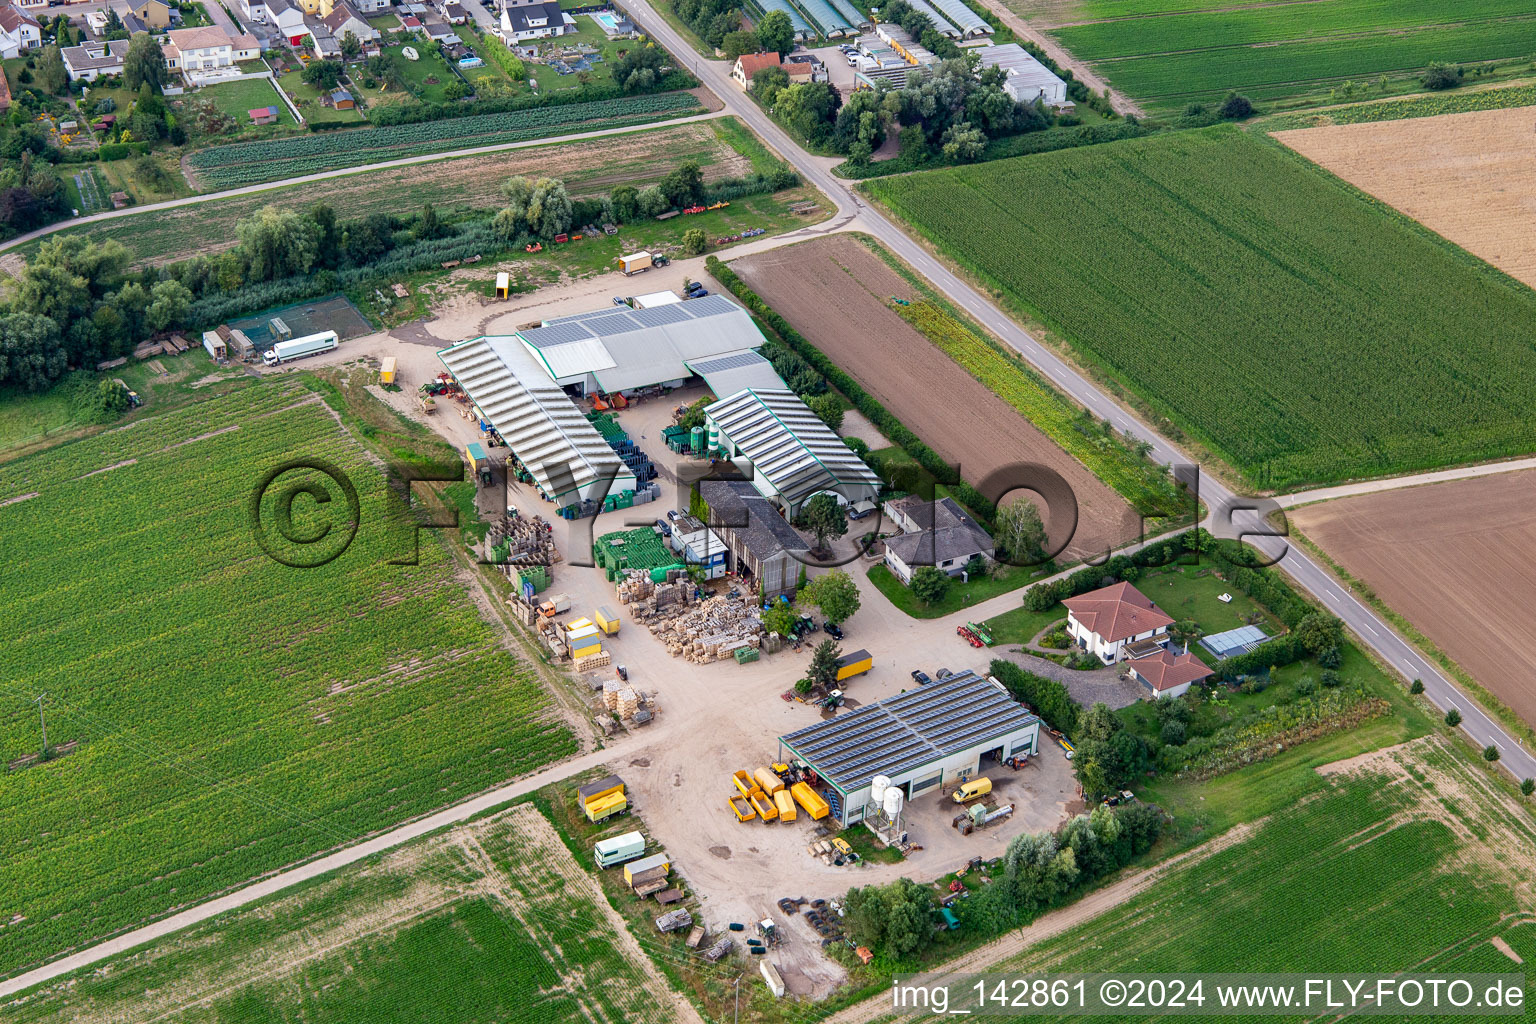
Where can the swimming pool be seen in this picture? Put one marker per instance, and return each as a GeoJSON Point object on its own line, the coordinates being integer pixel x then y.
{"type": "Point", "coordinates": [607, 20]}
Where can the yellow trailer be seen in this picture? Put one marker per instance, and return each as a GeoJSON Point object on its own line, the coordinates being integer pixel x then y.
{"type": "Point", "coordinates": [644, 864]}
{"type": "Point", "coordinates": [742, 808]}
{"type": "Point", "coordinates": [387, 370]}
{"type": "Point", "coordinates": [810, 800]}
{"type": "Point", "coordinates": [605, 806]}
{"type": "Point", "coordinates": [607, 619]}
{"type": "Point", "coordinates": [784, 805]}
{"type": "Point", "coordinates": [763, 805]}
{"type": "Point", "coordinates": [745, 783]}
{"type": "Point", "coordinates": [770, 782]}
{"type": "Point", "coordinates": [854, 664]}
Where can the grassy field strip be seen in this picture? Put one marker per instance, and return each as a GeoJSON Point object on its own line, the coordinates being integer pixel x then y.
{"type": "Point", "coordinates": [1222, 333]}
{"type": "Point", "coordinates": [233, 716]}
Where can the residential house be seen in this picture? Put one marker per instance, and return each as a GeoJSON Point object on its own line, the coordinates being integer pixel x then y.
{"type": "Point", "coordinates": [158, 15]}
{"type": "Point", "coordinates": [1116, 623]}
{"type": "Point", "coordinates": [803, 67]}
{"type": "Point", "coordinates": [763, 549]}
{"type": "Point", "coordinates": [325, 45]}
{"type": "Point", "coordinates": [525, 20]}
{"type": "Point", "coordinates": [441, 33]}
{"type": "Point", "coordinates": [19, 31]}
{"type": "Point", "coordinates": [345, 18]}
{"type": "Point", "coordinates": [749, 64]}
{"type": "Point", "coordinates": [1168, 673]}
{"type": "Point", "coordinates": [284, 16]}
{"type": "Point", "coordinates": [88, 61]}
{"type": "Point", "coordinates": [133, 24]}
{"type": "Point", "coordinates": [208, 46]}
{"type": "Point", "coordinates": [453, 12]}
{"type": "Point", "coordinates": [33, 5]}
{"type": "Point", "coordinates": [937, 533]}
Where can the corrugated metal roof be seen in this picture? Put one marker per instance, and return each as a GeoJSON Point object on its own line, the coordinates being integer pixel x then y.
{"type": "Point", "coordinates": [900, 734]}
{"type": "Point", "coordinates": [566, 455]}
{"type": "Point", "coordinates": [736, 371]}
{"type": "Point", "coordinates": [789, 446]}
{"type": "Point", "coordinates": [968, 21]}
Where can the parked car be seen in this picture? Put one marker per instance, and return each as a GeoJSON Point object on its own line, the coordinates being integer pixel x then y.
{"type": "Point", "coordinates": [921, 677]}
{"type": "Point", "coordinates": [833, 629]}
{"type": "Point", "coordinates": [618, 300]}
{"type": "Point", "coordinates": [664, 527]}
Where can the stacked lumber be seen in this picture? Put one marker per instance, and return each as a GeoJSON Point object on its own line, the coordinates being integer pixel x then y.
{"type": "Point", "coordinates": [611, 688]}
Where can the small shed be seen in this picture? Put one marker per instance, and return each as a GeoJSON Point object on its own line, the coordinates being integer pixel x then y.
{"type": "Point", "coordinates": [503, 284]}
{"type": "Point", "coordinates": [644, 864]}
{"type": "Point", "coordinates": [214, 345]}
{"type": "Point", "coordinates": [241, 346]}
{"type": "Point", "coordinates": [340, 99]}
{"type": "Point", "coordinates": [262, 115]}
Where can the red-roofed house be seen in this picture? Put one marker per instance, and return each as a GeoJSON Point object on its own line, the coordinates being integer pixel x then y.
{"type": "Point", "coordinates": [749, 64]}
{"type": "Point", "coordinates": [1105, 621]}
{"type": "Point", "coordinates": [1167, 673]}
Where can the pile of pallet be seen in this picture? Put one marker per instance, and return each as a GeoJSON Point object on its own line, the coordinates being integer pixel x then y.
{"type": "Point", "coordinates": [635, 587]}
{"type": "Point", "coordinates": [648, 599]}
{"type": "Point", "coordinates": [621, 698]}
{"type": "Point", "coordinates": [602, 659]}
{"type": "Point", "coordinates": [710, 631]}
{"type": "Point", "coordinates": [525, 540]}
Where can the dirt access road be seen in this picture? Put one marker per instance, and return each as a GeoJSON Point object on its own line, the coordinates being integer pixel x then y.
{"type": "Point", "coordinates": [836, 291]}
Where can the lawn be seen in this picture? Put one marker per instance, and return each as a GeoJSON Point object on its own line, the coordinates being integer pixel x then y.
{"type": "Point", "coordinates": [236, 99]}
{"type": "Point", "coordinates": [1220, 337]}
{"type": "Point", "coordinates": [430, 73]}
{"type": "Point", "coordinates": [1020, 625]}
{"type": "Point", "coordinates": [232, 714]}
{"type": "Point", "coordinates": [1194, 592]}
{"type": "Point", "coordinates": [960, 595]}
{"type": "Point", "coordinates": [1167, 54]}
{"type": "Point", "coordinates": [307, 98]}
{"type": "Point", "coordinates": [588, 34]}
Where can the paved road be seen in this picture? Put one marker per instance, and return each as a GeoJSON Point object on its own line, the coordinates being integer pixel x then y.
{"type": "Point", "coordinates": [1227, 515]}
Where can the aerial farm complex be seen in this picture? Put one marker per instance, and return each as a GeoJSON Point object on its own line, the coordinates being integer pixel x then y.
{"type": "Point", "coordinates": [697, 511]}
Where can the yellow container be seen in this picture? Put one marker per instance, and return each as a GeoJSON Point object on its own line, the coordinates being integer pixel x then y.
{"type": "Point", "coordinates": [742, 808]}
{"type": "Point", "coordinates": [785, 805]}
{"type": "Point", "coordinates": [387, 370]}
{"type": "Point", "coordinates": [745, 783]}
{"type": "Point", "coordinates": [607, 619]}
{"type": "Point", "coordinates": [764, 806]}
{"type": "Point", "coordinates": [770, 782]}
{"type": "Point", "coordinates": [810, 800]}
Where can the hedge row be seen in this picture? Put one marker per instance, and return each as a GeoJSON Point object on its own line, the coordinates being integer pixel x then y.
{"type": "Point", "coordinates": [404, 113]}
{"type": "Point", "coordinates": [882, 418]}
{"type": "Point", "coordinates": [1045, 697]}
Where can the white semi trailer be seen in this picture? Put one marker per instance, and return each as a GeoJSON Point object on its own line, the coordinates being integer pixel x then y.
{"type": "Point", "coordinates": [298, 348]}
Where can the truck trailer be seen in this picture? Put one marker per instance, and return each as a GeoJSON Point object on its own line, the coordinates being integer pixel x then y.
{"type": "Point", "coordinates": [298, 348]}
{"type": "Point", "coordinates": [635, 262]}
{"type": "Point", "coordinates": [619, 849]}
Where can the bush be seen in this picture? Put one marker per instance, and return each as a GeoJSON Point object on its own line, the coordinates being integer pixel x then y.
{"type": "Point", "coordinates": [1235, 107]}
{"type": "Point", "coordinates": [1490, 753]}
{"type": "Point", "coordinates": [1046, 697]}
{"type": "Point", "coordinates": [1453, 718]}
{"type": "Point", "coordinates": [1416, 687]}
{"type": "Point", "coordinates": [1174, 733]}
{"type": "Point", "coordinates": [1442, 76]}
{"type": "Point", "coordinates": [694, 242]}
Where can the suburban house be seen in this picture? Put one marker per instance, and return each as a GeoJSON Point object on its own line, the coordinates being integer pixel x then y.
{"type": "Point", "coordinates": [1026, 79]}
{"type": "Point", "coordinates": [284, 16]}
{"type": "Point", "coordinates": [157, 15]}
{"type": "Point", "coordinates": [33, 5]}
{"type": "Point", "coordinates": [345, 18]}
{"type": "Point", "coordinates": [133, 24]}
{"type": "Point", "coordinates": [19, 31]}
{"type": "Point", "coordinates": [84, 63]}
{"type": "Point", "coordinates": [1168, 673]}
{"type": "Point", "coordinates": [453, 12]}
{"type": "Point", "coordinates": [197, 49]}
{"type": "Point", "coordinates": [749, 64]}
{"type": "Point", "coordinates": [803, 67]}
{"type": "Point", "coordinates": [937, 533]}
{"type": "Point", "coordinates": [442, 33]}
{"type": "Point", "coordinates": [764, 549]}
{"type": "Point", "coordinates": [1116, 623]}
{"type": "Point", "coordinates": [523, 20]}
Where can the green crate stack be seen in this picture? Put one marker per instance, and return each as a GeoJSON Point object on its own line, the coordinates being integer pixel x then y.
{"type": "Point", "coordinates": [746, 654]}
{"type": "Point", "coordinates": [641, 549]}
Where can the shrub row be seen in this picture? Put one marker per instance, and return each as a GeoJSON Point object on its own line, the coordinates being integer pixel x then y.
{"type": "Point", "coordinates": [882, 418]}
{"type": "Point", "coordinates": [1046, 697]}
{"type": "Point", "coordinates": [403, 113]}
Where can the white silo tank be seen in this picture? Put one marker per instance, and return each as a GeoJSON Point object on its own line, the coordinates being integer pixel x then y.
{"type": "Point", "coordinates": [877, 787]}
{"type": "Point", "coordinates": [893, 802]}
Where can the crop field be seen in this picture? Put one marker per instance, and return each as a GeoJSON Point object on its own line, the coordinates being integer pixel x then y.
{"type": "Point", "coordinates": [1169, 52]}
{"type": "Point", "coordinates": [1467, 177]}
{"type": "Point", "coordinates": [1408, 860]}
{"type": "Point", "coordinates": [1217, 274]}
{"type": "Point", "coordinates": [250, 162]}
{"type": "Point", "coordinates": [588, 167]}
{"type": "Point", "coordinates": [1434, 554]}
{"type": "Point", "coordinates": [216, 714]}
{"type": "Point", "coordinates": [498, 906]}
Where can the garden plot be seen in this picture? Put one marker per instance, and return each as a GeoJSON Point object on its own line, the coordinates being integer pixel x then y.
{"type": "Point", "coordinates": [499, 906]}
{"type": "Point", "coordinates": [234, 714]}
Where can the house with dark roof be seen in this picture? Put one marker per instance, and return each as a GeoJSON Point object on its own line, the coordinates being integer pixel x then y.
{"type": "Point", "coordinates": [1115, 623]}
{"type": "Point", "coordinates": [524, 20]}
{"type": "Point", "coordinates": [937, 533]}
{"type": "Point", "coordinates": [763, 549]}
{"type": "Point", "coordinates": [344, 18]}
{"type": "Point", "coordinates": [1168, 673]}
{"type": "Point", "coordinates": [85, 62]}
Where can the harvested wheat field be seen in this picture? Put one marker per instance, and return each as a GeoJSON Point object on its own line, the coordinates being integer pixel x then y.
{"type": "Point", "coordinates": [835, 291]}
{"type": "Point", "coordinates": [1468, 177]}
{"type": "Point", "coordinates": [1458, 560]}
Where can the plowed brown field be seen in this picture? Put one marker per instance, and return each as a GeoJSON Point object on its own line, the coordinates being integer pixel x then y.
{"type": "Point", "coordinates": [836, 292]}
{"type": "Point", "coordinates": [1469, 177]}
{"type": "Point", "coordinates": [1458, 561]}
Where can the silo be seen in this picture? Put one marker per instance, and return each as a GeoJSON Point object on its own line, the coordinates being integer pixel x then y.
{"type": "Point", "coordinates": [893, 802]}
{"type": "Point", "coordinates": [877, 787]}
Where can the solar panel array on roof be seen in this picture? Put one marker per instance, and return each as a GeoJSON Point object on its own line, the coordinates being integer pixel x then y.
{"type": "Point", "coordinates": [556, 332]}
{"type": "Point", "coordinates": [661, 316]}
{"type": "Point", "coordinates": [730, 361]}
{"type": "Point", "coordinates": [903, 733]}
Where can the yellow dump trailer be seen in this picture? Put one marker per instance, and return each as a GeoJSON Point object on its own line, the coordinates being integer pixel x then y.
{"type": "Point", "coordinates": [387, 370]}
{"type": "Point", "coordinates": [810, 800]}
{"type": "Point", "coordinates": [785, 805]}
{"type": "Point", "coordinates": [770, 782]}
{"type": "Point", "coordinates": [763, 804]}
{"type": "Point", "coordinates": [605, 806]}
{"type": "Point", "coordinates": [607, 619]}
{"type": "Point", "coordinates": [742, 808]}
{"type": "Point", "coordinates": [745, 783]}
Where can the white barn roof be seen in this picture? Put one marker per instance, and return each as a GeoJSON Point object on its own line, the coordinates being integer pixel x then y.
{"type": "Point", "coordinates": [788, 445]}
{"type": "Point", "coordinates": [736, 371]}
{"type": "Point", "coordinates": [632, 348]}
{"type": "Point", "coordinates": [566, 455]}
{"type": "Point", "coordinates": [1027, 77]}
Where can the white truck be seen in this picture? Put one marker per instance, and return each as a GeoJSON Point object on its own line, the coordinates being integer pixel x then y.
{"type": "Point", "coordinates": [298, 348]}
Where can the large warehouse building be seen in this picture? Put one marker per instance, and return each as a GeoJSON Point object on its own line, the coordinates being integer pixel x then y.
{"type": "Point", "coordinates": [792, 453]}
{"type": "Point", "coordinates": [524, 382]}
{"type": "Point", "coordinates": [919, 739]}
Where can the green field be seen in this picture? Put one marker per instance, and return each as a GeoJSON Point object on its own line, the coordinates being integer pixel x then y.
{"type": "Point", "coordinates": [1194, 593]}
{"type": "Point", "coordinates": [232, 714]}
{"type": "Point", "coordinates": [498, 907]}
{"type": "Point", "coordinates": [250, 162]}
{"type": "Point", "coordinates": [1169, 53]}
{"type": "Point", "coordinates": [1410, 863]}
{"type": "Point", "coordinates": [1298, 330]}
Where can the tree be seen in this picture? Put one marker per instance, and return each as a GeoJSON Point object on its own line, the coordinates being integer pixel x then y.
{"type": "Point", "coordinates": [1443, 76]}
{"type": "Point", "coordinates": [1319, 631]}
{"type": "Point", "coordinates": [824, 659]}
{"type": "Point", "coordinates": [549, 208]}
{"type": "Point", "coordinates": [651, 201]}
{"type": "Point", "coordinates": [1416, 687]}
{"type": "Point", "coordinates": [694, 242]}
{"type": "Point", "coordinates": [144, 62]}
{"type": "Point", "coordinates": [1453, 718]}
{"type": "Point", "coordinates": [775, 33]}
{"type": "Point", "coordinates": [825, 517]}
{"type": "Point", "coordinates": [768, 83]}
{"type": "Point", "coordinates": [624, 202]}
{"type": "Point", "coordinates": [31, 356]}
{"type": "Point", "coordinates": [277, 243]}
{"type": "Point", "coordinates": [455, 90]}
{"type": "Point", "coordinates": [1490, 753]}
{"type": "Point", "coordinates": [779, 619]}
{"type": "Point", "coordinates": [169, 302]}
{"type": "Point", "coordinates": [739, 42]}
{"type": "Point", "coordinates": [112, 397]}
{"type": "Point", "coordinates": [828, 408]}
{"type": "Point", "coordinates": [323, 74]}
{"type": "Point", "coordinates": [1527, 787]}
{"type": "Point", "coordinates": [1235, 107]}
{"type": "Point", "coordinates": [351, 46]}
{"type": "Point", "coordinates": [929, 584]}
{"type": "Point", "coordinates": [684, 186]}
{"type": "Point", "coordinates": [964, 142]}
{"type": "Point", "coordinates": [51, 74]}
{"type": "Point", "coordinates": [1019, 534]}
{"type": "Point", "coordinates": [835, 593]}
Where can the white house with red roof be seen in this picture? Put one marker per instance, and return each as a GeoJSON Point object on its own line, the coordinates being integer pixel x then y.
{"type": "Point", "coordinates": [1168, 673]}
{"type": "Point", "coordinates": [19, 31]}
{"type": "Point", "coordinates": [1110, 620]}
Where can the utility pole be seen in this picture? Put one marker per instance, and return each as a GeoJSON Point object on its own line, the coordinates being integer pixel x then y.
{"type": "Point", "coordinates": [42, 722]}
